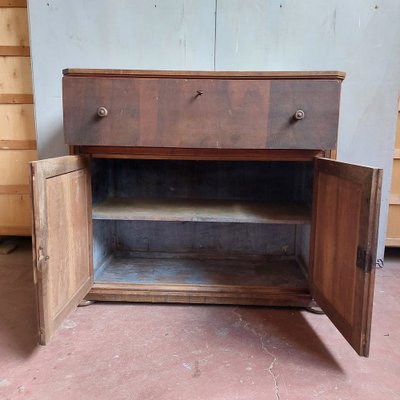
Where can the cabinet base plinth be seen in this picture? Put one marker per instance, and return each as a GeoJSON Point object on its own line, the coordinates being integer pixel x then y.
{"type": "Point", "coordinates": [198, 295]}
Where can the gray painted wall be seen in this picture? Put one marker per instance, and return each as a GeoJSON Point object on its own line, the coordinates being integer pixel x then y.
{"type": "Point", "coordinates": [360, 37]}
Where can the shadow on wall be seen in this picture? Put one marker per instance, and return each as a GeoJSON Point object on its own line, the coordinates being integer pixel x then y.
{"type": "Point", "coordinates": [54, 145]}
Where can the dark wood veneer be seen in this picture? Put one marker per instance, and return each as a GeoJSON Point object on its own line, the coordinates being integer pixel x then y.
{"type": "Point", "coordinates": [201, 113]}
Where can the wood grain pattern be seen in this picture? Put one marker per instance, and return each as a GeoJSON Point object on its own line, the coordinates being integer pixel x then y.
{"type": "Point", "coordinates": [166, 112]}
{"type": "Point", "coordinates": [17, 144]}
{"type": "Point", "coordinates": [13, 3]}
{"type": "Point", "coordinates": [17, 137]}
{"type": "Point", "coordinates": [16, 230]}
{"type": "Point", "coordinates": [190, 115]}
{"type": "Point", "coordinates": [345, 214]}
{"type": "Point", "coordinates": [394, 199]}
{"type": "Point", "coordinates": [16, 98]}
{"type": "Point", "coordinates": [208, 74]}
{"type": "Point", "coordinates": [21, 51]}
{"type": "Point", "coordinates": [200, 210]}
{"type": "Point", "coordinates": [393, 228]}
{"type": "Point", "coordinates": [287, 182]}
{"type": "Point", "coordinates": [63, 267]}
{"type": "Point", "coordinates": [14, 166]}
{"type": "Point", "coordinates": [171, 182]}
{"type": "Point", "coordinates": [395, 186]}
{"type": "Point", "coordinates": [212, 239]}
{"type": "Point", "coordinates": [159, 153]}
{"type": "Point", "coordinates": [132, 293]}
{"type": "Point", "coordinates": [14, 189]}
{"type": "Point", "coordinates": [177, 279]}
{"type": "Point", "coordinates": [14, 27]}
{"type": "Point", "coordinates": [393, 222]}
{"type": "Point", "coordinates": [17, 122]}
{"type": "Point", "coordinates": [320, 102]}
{"type": "Point", "coordinates": [15, 75]}
{"type": "Point", "coordinates": [227, 114]}
{"type": "Point", "coordinates": [393, 242]}
{"type": "Point", "coordinates": [17, 218]}
{"type": "Point", "coordinates": [256, 272]}
{"type": "Point", "coordinates": [224, 240]}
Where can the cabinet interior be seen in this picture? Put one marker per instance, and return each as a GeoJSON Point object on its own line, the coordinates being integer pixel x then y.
{"type": "Point", "coordinates": [185, 222]}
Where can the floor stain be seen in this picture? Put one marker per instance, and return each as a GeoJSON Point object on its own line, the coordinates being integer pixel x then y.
{"type": "Point", "coordinates": [197, 371]}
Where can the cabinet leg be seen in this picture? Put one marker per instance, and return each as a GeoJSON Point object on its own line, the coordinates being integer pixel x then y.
{"type": "Point", "coordinates": [315, 308]}
{"type": "Point", "coordinates": [85, 303]}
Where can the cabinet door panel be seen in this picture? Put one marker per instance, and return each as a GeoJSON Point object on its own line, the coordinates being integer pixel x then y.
{"type": "Point", "coordinates": [62, 232]}
{"type": "Point", "coordinates": [343, 253]}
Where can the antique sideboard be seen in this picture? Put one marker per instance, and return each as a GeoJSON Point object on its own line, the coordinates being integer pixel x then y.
{"type": "Point", "coordinates": [205, 187]}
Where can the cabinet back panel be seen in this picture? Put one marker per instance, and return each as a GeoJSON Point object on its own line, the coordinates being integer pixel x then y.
{"type": "Point", "coordinates": [102, 182]}
{"type": "Point", "coordinates": [225, 180]}
{"type": "Point", "coordinates": [206, 238]}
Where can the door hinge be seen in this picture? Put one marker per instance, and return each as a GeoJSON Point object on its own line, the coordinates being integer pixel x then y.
{"type": "Point", "coordinates": [364, 260]}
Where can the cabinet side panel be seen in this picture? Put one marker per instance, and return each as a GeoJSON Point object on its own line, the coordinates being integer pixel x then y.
{"type": "Point", "coordinates": [103, 242]}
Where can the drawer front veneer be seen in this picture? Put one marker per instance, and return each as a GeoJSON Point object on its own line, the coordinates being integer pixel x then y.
{"type": "Point", "coordinates": [201, 113]}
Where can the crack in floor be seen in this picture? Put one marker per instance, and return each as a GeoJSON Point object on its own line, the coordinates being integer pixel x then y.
{"type": "Point", "coordinates": [246, 325]}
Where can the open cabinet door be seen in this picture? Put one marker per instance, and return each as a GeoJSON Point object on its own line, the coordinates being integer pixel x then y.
{"type": "Point", "coordinates": [62, 238]}
{"type": "Point", "coordinates": [343, 246]}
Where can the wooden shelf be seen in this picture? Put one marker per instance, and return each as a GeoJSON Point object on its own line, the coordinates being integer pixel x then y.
{"type": "Point", "coordinates": [194, 210]}
{"type": "Point", "coordinates": [196, 269]}
{"type": "Point", "coordinates": [177, 278]}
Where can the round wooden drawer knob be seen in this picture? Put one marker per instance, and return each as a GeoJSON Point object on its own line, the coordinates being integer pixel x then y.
{"type": "Point", "coordinates": [299, 114]}
{"type": "Point", "coordinates": [102, 112]}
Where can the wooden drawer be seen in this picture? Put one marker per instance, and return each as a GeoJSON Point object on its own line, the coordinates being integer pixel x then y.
{"type": "Point", "coordinates": [248, 112]}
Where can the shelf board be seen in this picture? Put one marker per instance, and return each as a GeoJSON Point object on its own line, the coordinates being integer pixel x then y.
{"type": "Point", "coordinates": [194, 210]}
{"type": "Point", "coordinates": [177, 278]}
{"type": "Point", "coordinates": [169, 270]}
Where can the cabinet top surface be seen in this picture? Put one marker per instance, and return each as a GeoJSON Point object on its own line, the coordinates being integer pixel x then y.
{"type": "Point", "coordinates": [208, 74]}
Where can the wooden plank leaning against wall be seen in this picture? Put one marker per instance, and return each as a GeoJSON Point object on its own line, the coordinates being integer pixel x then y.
{"type": "Point", "coordinates": [393, 228]}
{"type": "Point", "coordinates": [17, 134]}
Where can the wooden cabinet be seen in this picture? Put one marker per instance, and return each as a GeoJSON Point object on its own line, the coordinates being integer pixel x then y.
{"type": "Point", "coordinates": [17, 127]}
{"type": "Point", "coordinates": [393, 223]}
{"type": "Point", "coordinates": [205, 188]}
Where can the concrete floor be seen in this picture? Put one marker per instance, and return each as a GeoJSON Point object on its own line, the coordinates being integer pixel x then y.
{"type": "Point", "coordinates": [126, 351]}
